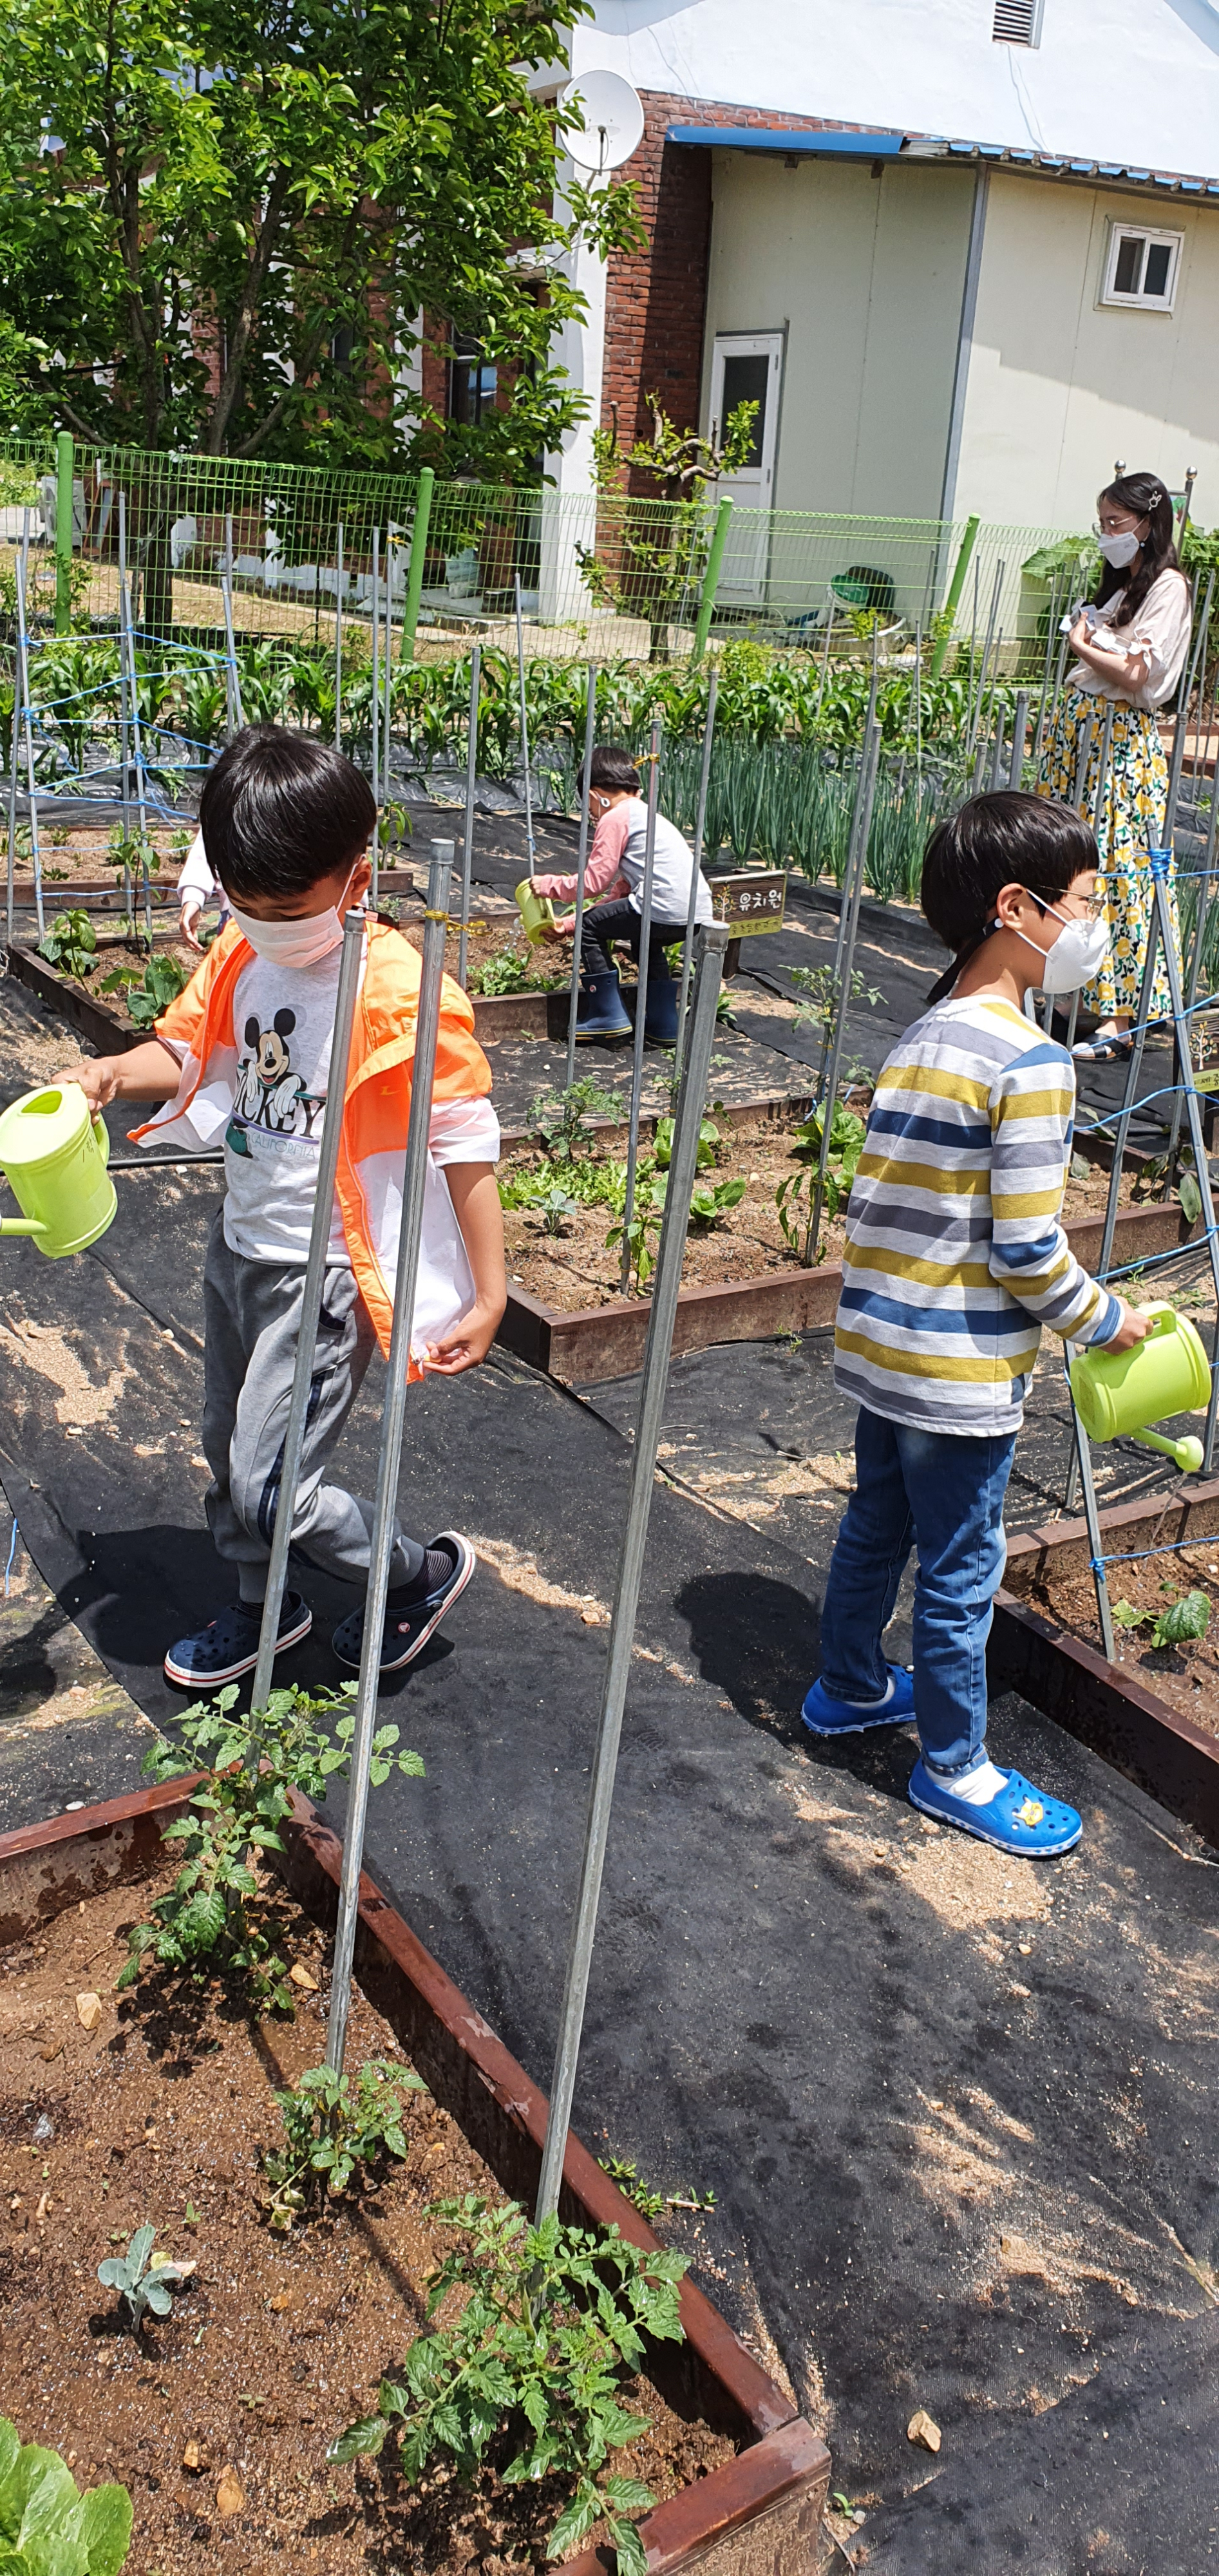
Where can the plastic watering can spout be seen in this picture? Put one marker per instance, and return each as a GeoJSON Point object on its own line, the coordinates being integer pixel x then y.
{"type": "Point", "coordinates": [54, 1153]}
{"type": "Point", "coordinates": [1120, 1392]}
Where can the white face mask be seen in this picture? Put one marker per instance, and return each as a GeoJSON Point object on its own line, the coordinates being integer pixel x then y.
{"type": "Point", "coordinates": [1120, 549]}
{"type": "Point", "coordinates": [1075, 957]}
{"type": "Point", "coordinates": [295, 944]}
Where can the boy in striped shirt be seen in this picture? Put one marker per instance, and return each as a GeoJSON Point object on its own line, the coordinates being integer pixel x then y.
{"type": "Point", "coordinates": [954, 1259]}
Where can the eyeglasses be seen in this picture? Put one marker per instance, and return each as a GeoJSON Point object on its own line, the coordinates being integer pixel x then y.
{"type": "Point", "coordinates": [1091, 905]}
{"type": "Point", "coordinates": [1124, 527]}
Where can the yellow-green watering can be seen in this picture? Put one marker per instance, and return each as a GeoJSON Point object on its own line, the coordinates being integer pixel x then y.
{"type": "Point", "coordinates": [1122, 1391]}
{"type": "Point", "coordinates": [536, 910]}
{"type": "Point", "coordinates": [54, 1152]}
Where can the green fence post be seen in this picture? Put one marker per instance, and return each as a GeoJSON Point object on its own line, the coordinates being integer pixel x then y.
{"type": "Point", "coordinates": [414, 577]}
{"type": "Point", "coordinates": [64, 454]}
{"type": "Point", "coordinates": [711, 580]}
{"type": "Point", "coordinates": [955, 587]}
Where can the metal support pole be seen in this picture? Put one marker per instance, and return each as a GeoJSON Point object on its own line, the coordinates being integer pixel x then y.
{"type": "Point", "coordinates": [1020, 726]}
{"type": "Point", "coordinates": [1181, 726]}
{"type": "Point", "coordinates": [1161, 862]}
{"type": "Point", "coordinates": [127, 651]}
{"type": "Point", "coordinates": [996, 762]}
{"type": "Point", "coordinates": [1000, 569]}
{"type": "Point", "coordinates": [63, 532]}
{"type": "Point", "coordinates": [711, 580]}
{"type": "Point", "coordinates": [387, 703]}
{"type": "Point", "coordinates": [573, 1006]}
{"type": "Point", "coordinates": [414, 575]}
{"type": "Point", "coordinates": [853, 847]}
{"type": "Point", "coordinates": [232, 678]}
{"type": "Point", "coordinates": [381, 1546]}
{"type": "Point", "coordinates": [918, 706]}
{"type": "Point", "coordinates": [13, 760]}
{"type": "Point", "coordinates": [700, 825]}
{"type": "Point", "coordinates": [1048, 710]}
{"type": "Point", "coordinates": [1083, 1455]}
{"type": "Point", "coordinates": [520, 672]}
{"type": "Point", "coordinates": [641, 1000]}
{"type": "Point", "coordinates": [683, 1168]}
{"type": "Point", "coordinates": [338, 641]}
{"type": "Point", "coordinates": [354, 927]}
{"type": "Point", "coordinates": [374, 709]}
{"type": "Point", "coordinates": [125, 716]}
{"type": "Point", "coordinates": [1087, 735]}
{"type": "Point", "coordinates": [467, 845]}
{"type": "Point", "coordinates": [22, 692]}
{"type": "Point", "coordinates": [829, 1089]}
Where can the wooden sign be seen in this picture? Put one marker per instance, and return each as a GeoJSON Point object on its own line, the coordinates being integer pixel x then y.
{"type": "Point", "coordinates": [750, 900]}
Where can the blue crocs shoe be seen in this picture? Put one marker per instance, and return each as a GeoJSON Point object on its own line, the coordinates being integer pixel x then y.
{"type": "Point", "coordinates": [409, 1625]}
{"type": "Point", "coordinates": [825, 1716]}
{"type": "Point", "coordinates": [1017, 1819]}
{"type": "Point", "coordinates": [228, 1646]}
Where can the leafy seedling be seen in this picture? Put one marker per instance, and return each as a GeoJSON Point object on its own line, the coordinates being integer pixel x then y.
{"type": "Point", "coordinates": [47, 2527]}
{"type": "Point", "coordinates": [553, 2318]}
{"type": "Point", "coordinates": [332, 2130]}
{"type": "Point", "coordinates": [558, 1117]}
{"type": "Point", "coordinates": [143, 2280]}
{"type": "Point", "coordinates": [554, 1206]}
{"type": "Point", "coordinates": [1182, 1622]}
{"type": "Point", "coordinates": [708, 1143]}
{"type": "Point", "coordinates": [70, 944]}
{"type": "Point", "coordinates": [710, 1207]}
{"type": "Point", "coordinates": [794, 1196]}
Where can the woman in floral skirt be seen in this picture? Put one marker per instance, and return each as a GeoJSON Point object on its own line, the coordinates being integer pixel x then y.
{"type": "Point", "coordinates": [1130, 643]}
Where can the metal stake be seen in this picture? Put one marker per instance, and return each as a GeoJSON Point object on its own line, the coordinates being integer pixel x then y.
{"type": "Point", "coordinates": [125, 715]}
{"type": "Point", "coordinates": [387, 708]}
{"type": "Point", "coordinates": [127, 652]}
{"type": "Point", "coordinates": [1083, 1456]}
{"type": "Point", "coordinates": [1182, 723]}
{"type": "Point", "coordinates": [232, 677]}
{"type": "Point", "coordinates": [590, 729]}
{"type": "Point", "coordinates": [683, 1167]}
{"type": "Point", "coordinates": [381, 1546]}
{"type": "Point", "coordinates": [354, 927]}
{"type": "Point", "coordinates": [1020, 726]}
{"type": "Point", "coordinates": [700, 825]}
{"type": "Point", "coordinates": [972, 735]}
{"type": "Point", "coordinates": [641, 1001]}
{"type": "Point", "coordinates": [520, 671]}
{"type": "Point", "coordinates": [374, 705]}
{"type": "Point", "coordinates": [338, 642]}
{"type": "Point", "coordinates": [1087, 734]}
{"type": "Point", "coordinates": [21, 707]}
{"type": "Point", "coordinates": [996, 765]}
{"type": "Point", "coordinates": [467, 846]}
{"type": "Point", "coordinates": [1161, 862]}
{"type": "Point", "coordinates": [829, 1090]}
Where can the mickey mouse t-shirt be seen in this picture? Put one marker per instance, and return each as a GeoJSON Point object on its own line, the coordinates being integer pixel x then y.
{"type": "Point", "coordinates": [284, 1023]}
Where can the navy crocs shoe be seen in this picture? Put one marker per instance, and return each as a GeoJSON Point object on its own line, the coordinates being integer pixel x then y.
{"type": "Point", "coordinates": [1017, 1819]}
{"type": "Point", "coordinates": [408, 1627]}
{"type": "Point", "coordinates": [228, 1646]}
{"type": "Point", "coordinates": [825, 1716]}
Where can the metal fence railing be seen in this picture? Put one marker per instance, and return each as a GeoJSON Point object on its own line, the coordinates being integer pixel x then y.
{"type": "Point", "coordinates": [604, 577]}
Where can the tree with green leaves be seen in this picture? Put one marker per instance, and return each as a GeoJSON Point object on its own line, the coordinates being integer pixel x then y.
{"type": "Point", "coordinates": [223, 224]}
{"type": "Point", "coordinates": [657, 556]}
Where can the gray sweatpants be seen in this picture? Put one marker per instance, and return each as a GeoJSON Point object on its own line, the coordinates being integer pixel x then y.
{"type": "Point", "coordinates": [252, 1321]}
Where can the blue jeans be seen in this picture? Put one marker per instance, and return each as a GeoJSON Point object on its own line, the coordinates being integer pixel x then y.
{"type": "Point", "coordinates": [944, 1495]}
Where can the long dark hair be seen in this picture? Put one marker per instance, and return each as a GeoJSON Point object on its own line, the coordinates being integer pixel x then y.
{"type": "Point", "coordinates": [1145, 497]}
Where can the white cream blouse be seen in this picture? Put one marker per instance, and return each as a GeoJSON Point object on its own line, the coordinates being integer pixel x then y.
{"type": "Point", "coordinates": [1161, 628]}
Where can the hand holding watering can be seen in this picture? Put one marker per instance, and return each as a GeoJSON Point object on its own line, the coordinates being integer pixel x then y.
{"type": "Point", "coordinates": [53, 1151]}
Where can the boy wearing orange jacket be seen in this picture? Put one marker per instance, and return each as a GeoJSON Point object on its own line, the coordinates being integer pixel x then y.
{"type": "Point", "coordinates": [245, 1051]}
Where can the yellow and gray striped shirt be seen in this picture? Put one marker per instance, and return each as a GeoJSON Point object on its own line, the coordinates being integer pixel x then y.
{"type": "Point", "coordinates": [955, 1256]}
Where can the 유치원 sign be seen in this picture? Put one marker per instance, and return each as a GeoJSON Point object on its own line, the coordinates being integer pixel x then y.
{"type": "Point", "coordinates": [749, 901]}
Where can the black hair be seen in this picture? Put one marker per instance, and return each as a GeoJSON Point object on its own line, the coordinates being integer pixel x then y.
{"type": "Point", "coordinates": [280, 810]}
{"type": "Point", "coordinates": [990, 842]}
{"type": "Point", "coordinates": [1145, 497]}
{"type": "Point", "coordinates": [611, 769]}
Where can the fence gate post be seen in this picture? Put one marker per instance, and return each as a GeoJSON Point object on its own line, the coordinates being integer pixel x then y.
{"type": "Point", "coordinates": [64, 453]}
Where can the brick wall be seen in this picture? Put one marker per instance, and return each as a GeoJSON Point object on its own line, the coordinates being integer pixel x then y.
{"type": "Point", "coordinates": [656, 304]}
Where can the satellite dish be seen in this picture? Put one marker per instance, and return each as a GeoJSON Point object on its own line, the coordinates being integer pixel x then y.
{"type": "Point", "coordinates": [611, 120]}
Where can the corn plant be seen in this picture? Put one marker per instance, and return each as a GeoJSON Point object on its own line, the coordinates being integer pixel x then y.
{"type": "Point", "coordinates": [47, 2527]}
{"type": "Point", "coordinates": [204, 1923]}
{"type": "Point", "coordinates": [553, 2317]}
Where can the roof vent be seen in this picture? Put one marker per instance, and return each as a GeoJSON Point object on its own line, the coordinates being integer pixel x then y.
{"type": "Point", "coordinates": [1017, 22]}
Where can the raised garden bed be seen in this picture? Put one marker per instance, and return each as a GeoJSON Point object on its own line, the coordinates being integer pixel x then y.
{"type": "Point", "coordinates": [755, 2474]}
{"type": "Point", "coordinates": [1143, 1713]}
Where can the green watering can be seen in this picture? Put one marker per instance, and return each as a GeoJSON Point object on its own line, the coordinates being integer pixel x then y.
{"type": "Point", "coordinates": [1122, 1391]}
{"type": "Point", "coordinates": [536, 910]}
{"type": "Point", "coordinates": [54, 1153]}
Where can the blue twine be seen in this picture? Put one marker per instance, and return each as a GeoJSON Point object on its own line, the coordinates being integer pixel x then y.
{"type": "Point", "coordinates": [11, 1554]}
{"type": "Point", "coordinates": [1135, 1555]}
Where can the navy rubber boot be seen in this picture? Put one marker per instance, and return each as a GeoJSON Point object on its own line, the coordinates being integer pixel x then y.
{"type": "Point", "coordinates": [660, 1012]}
{"type": "Point", "coordinates": [599, 1011]}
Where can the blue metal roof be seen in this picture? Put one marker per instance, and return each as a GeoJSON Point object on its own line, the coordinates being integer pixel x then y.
{"type": "Point", "coordinates": [788, 138]}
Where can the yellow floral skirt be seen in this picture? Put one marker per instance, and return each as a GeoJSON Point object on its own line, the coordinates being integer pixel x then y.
{"type": "Point", "coordinates": [1130, 822]}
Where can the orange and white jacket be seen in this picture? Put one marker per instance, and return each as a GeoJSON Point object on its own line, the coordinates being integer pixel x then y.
{"type": "Point", "coordinates": [375, 1116]}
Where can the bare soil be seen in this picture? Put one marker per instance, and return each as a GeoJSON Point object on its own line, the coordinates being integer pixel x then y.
{"type": "Point", "coordinates": [1187, 1677]}
{"type": "Point", "coordinates": [575, 1269]}
{"type": "Point", "coordinates": [158, 2116]}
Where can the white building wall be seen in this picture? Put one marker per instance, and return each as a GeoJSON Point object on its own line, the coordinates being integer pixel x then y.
{"type": "Point", "coordinates": [1128, 80]}
{"type": "Point", "coordinates": [1059, 385]}
{"type": "Point", "coordinates": [865, 273]}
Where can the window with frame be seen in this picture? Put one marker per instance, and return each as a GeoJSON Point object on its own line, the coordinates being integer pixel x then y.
{"type": "Point", "coordinates": [472, 382]}
{"type": "Point", "coordinates": [1017, 22]}
{"type": "Point", "coordinates": [1141, 268]}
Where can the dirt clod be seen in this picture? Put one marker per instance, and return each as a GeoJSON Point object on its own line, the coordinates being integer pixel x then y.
{"type": "Point", "coordinates": [924, 2430]}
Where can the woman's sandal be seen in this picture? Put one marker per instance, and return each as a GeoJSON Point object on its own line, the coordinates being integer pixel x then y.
{"type": "Point", "coordinates": [1108, 1050]}
{"type": "Point", "coordinates": [1018, 1818]}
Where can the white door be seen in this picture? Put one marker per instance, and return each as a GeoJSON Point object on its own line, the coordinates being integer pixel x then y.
{"type": "Point", "coordinates": [747, 366]}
